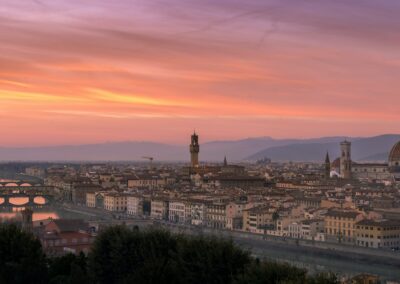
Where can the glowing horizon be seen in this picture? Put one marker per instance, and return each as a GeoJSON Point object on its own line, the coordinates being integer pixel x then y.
{"type": "Point", "coordinates": [74, 72]}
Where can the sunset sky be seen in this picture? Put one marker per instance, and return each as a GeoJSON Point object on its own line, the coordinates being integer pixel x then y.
{"type": "Point", "coordinates": [88, 71]}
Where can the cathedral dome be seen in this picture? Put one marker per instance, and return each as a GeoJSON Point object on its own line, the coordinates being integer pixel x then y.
{"type": "Point", "coordinates": [394, 157]}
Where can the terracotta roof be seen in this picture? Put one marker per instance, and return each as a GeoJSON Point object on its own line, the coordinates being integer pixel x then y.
{"type": "Point", "coordinates": [380, 223]}
{"type": "Point", "coordinates": [65, 225]}
{"type": "Point", "coordinates": [342, 214]}
{"type": "Point", "coordinates": [336, 163]}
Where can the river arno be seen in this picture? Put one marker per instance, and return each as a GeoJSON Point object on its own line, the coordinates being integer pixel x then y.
{"type": "Point", "coordinates": [39, 213]}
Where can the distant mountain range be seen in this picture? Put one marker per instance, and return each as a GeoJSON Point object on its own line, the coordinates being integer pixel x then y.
{"type": "Point", "coordinates": [371, 149]}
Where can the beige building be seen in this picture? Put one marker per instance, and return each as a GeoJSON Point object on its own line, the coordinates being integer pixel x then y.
{"type": "Point", "coordinates": [115, 202]}
{"type": "Point", "coordinates": [234, 214]}
{"type": "Point", "coordinates": [177, 211]}
{"type": "Point", "coordinates": [258, 219]}
{"type": "Point", "coordinates": [96, 199]}
{"type": "Point", "coordinates": [159, 209]}
{"type": "Point", "coordinates": [216, 215]}
{"type": "Point", "coordinates": [147, 181]}
{"type": "Point", "coordinates": [313, 229]}
{"type": "Point", "coordinates": [282, 226]}
{"type": "Point", "coordinates": [134, 205]}
{"type": "Point", "coordinates": [384, 234]}
{"type": "Point", "coordinates": [91, 199]}
{"type": "Point", "coordinates": [340, 225]}
{"type": "Point", "coordinates": [294, 230]}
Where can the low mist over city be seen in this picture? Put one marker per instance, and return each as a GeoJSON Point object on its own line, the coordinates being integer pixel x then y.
{"type": "Point", "coordinates": [195, 141]}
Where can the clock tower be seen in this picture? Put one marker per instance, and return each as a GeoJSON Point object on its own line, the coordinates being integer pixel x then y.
{"type": "Point", "coordinates": [194, 150]}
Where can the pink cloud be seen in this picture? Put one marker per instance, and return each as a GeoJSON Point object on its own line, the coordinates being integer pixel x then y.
{"type": "Point", "coordinates": [230, 68]}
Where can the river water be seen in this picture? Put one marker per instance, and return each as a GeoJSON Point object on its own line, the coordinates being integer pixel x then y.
{"type": "Point", "coordinates": [15, 212]}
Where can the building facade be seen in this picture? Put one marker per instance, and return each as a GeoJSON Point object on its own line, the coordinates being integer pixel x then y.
{"type": "Point", "coordinates": [115, 202]}
{"type": "Point", "coordinates": [216, 215]}
{"type": "Point", "coordinates": [258, 219]}
{"type": "Point", "coordinates": [177, 211]}
{"type": "Point", "coordinates": [340, 225]}
{"type": "Point", "coordinates": [380, 234]}
{"type": "Point", "coordinates": [134, 205]}
{"type": "Point", "coordinates": [159, 209]}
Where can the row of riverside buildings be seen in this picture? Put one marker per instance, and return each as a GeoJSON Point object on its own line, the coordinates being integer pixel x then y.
{"type": "Point", "coordinates": [326, 222]}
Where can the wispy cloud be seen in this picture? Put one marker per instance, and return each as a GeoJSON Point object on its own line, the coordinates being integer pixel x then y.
{"type": "Point", "coordinates": [227, 67]}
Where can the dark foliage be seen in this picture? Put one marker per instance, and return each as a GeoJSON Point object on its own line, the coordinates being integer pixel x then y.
{"type": "Point", "coordinates": [123, 256]}
{"type": "Point", "coordinates": [272, 272]}
{"type": "Point", "coordinates": [281, 273]}
{"type": "Point", "coordinates": [21, 257]}
{"type": "Point", "coordinates": [120, 255]}
{"type": "Point", "coordinates": [68, 269]}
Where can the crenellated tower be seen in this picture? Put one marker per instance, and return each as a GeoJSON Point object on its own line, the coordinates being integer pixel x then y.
{"type": "Point", "coordinates": [194, 150]}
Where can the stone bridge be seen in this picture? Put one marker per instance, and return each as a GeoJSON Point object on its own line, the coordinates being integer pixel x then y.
{"type": "Point", "coordinates": [22, 195]}
{"type": "Point", "coordinates": [19, 183]}
{"type": "Point", "coordinates": [30, 200]}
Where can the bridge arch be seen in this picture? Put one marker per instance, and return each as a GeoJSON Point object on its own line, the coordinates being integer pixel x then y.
{"type": "Point", "coordinates": [18, 201]}
{"type": "Point", "coordinates": [40, 200]}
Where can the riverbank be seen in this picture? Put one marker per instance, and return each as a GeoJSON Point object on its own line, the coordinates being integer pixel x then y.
{"type": "Point", "coordinates": [314, 256]}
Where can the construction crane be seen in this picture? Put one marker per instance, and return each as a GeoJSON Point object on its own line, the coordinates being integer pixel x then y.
{"type": "Point", "coordinates": [150, 159]}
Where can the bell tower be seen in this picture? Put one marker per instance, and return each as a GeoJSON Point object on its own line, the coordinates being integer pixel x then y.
{"type": "Point", "coordinates": [327, 166]}
{"type": "Point", "coordinates": [194, 150]}
{"type": "Point", "coordinates": [345, 159]}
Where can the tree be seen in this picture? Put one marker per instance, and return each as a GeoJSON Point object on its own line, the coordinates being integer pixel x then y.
{"type": "Point", "coordinates": [324, 278]}
{"type": "Point", "coordinates": [265, 272]}
{"type": "Point", "coordinates": [68, 269]}
{"type": "Point", "coordinates": [120, 255]}
{"type": "Point", "coordinates": [211, 260]}
{"type": "Point", "coordinates": [21, 257]}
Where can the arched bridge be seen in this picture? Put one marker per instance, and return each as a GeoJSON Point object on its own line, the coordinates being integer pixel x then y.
{"type": "Point", "coordinates": [22, 195]}
{"type": "Point", "coordinates": [18, 183]}
{"type": "Point", "coordinates": [23, 200]}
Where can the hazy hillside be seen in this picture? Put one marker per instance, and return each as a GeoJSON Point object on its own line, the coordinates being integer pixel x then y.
{"type": "Point", "coordinates": [122, 151]}
{"type": "Point", "coordinates": [371, 149]}
{"type": "Point", "coordinates": [363, 149]}
{"type": "Point", "coordinates": [242, 149]}
{"type": "Point", "coordinates": [236, 150]}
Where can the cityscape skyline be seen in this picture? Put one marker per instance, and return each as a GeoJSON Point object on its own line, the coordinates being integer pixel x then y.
{"type": "Point", "coordinates": [72, 73]}
{"type": "Point", "coordinates": [200, 141]}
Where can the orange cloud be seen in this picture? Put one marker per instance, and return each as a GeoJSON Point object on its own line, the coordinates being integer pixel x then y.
{"type": "Point", "coordinates": [72, 73]}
